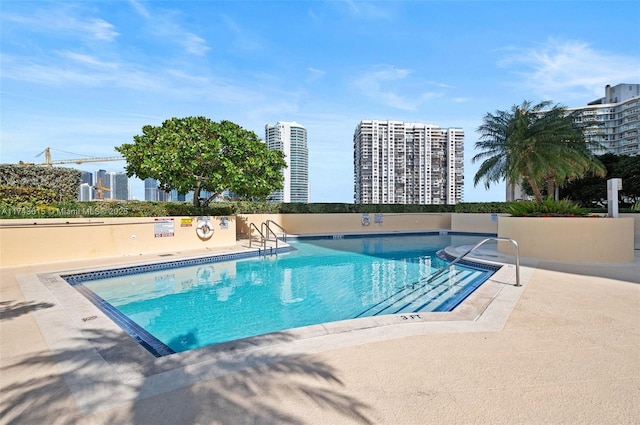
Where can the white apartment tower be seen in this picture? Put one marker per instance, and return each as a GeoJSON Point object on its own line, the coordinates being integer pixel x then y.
{"type": "Point", "coordinates": [85, 192]}
{"type": "Point", "coordinates": [291, 139]}
{"type": "Point", "coordinates": [399, 162]}
{"type": "Point", "coordinates": [614, 120]}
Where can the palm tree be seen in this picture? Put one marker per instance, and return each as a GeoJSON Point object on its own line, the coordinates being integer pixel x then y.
{"type": "Point", "coordinates": [575, 149]}
{"type": "Point", "coordinates": [534, 144]}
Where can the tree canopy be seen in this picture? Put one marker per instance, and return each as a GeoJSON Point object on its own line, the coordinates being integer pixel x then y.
{"type": "Point", "coordinates": [63, 182]}
{"type": "Point", "coordinates": [591, 191]}
{"type": "Point", "coordinates": [536, 144]}
{"type": "Point", "coordinates": [197, 154]}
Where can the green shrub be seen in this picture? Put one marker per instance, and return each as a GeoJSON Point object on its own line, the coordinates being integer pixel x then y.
{"type": "Point", "coordinates": [547, 208]}
{"type": "Point", "coordinates": [35, 202]}
{"type": "Point", "coordinates": [21, 196]}
{"type": "Point", "coordinates": [258, 207]}
{"type": "Point", "coordinates": [482, 207]}
{"type": "Point", "coordinates": [108, 208]}
{"type": "Point", "coordinates": [187, 209]}
{"type": "Point", "coordinates": [64, 182]}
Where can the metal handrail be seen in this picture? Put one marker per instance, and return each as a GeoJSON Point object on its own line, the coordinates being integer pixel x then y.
{"type": "Point", "coordinates": [262, 238]}
{"type": "Point", "coordinates": [460, 257]}
{"type": "Point", "coordinates": [284, 232]}
{"type": "Point", "coordinates": [275, 237]}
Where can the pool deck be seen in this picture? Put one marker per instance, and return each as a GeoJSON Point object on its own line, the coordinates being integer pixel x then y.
{"type": "Point", "coordinates": [564, 348]}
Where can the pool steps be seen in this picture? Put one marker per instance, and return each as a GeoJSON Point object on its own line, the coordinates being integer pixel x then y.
{"type": "Point", "coordinates": [411, 298]}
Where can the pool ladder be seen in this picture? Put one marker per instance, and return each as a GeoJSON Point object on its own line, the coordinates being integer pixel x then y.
{"type": "Point", "coordinates": [265, 233]}
{"type": "Point", "coordinates": [476, 246]}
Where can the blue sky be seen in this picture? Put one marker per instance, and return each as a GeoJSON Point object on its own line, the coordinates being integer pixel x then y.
{"type": "Point", "coordinates": [83, 77]}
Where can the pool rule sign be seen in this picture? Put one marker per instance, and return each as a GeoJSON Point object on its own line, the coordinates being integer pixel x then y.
{"type": "Point", "coordinates": [163, 228]}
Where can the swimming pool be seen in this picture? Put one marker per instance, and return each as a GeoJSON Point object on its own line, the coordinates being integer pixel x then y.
{"type": "Point", "coordinates": [320, 280]}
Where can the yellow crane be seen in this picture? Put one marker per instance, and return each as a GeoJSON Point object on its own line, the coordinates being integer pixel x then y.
{"type": "Point", "coordinates": [49, 162]}
{"type": "Point", "coordinates": [99, 188]}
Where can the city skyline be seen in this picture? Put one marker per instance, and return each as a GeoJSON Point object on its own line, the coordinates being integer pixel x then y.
{"type": "Point", "coordinates": [84, 77]}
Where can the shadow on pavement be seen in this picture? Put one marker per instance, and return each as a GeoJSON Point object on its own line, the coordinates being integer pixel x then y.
{"type": "Point", "coordinates": [13, 309]}
{"type": "Point", "coordinates": [243, 396]}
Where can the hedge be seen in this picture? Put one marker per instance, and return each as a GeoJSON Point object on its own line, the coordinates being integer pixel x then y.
{"type": "Point", "coordinates": [62, 182]}
{"type": "Point", "coordinates": [40, 203]}
{"type": "Point", "coordinates": [110, 208]}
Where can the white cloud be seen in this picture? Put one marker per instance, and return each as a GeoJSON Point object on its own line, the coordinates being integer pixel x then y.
{"type": "Point", "coordinates": [169, 30]}
{"type": "Point", "coordinates": [139, 7]}
{"type": "Point", "coordinates": [193, 79]}
{"type": "Point", "coordinates": [316, 71]}
{"type": "Point", "coordinates": [194, 44]}
{"type": "Point", "coordinates": [165, 23]}
{"type": "Point", "coordinates": [77, 70]}
{"type": "Point", "coordinates": [562, 69]}
{"type": "Point", "coordinates": [99, 29]}
{"type": "Point", "coordinates": [64, 20]}
{"type": "Point", "coordinates": [315, 74]}
{"type": "Point", "coordinates": [367, 10]}
{"type": "Point", "coordinates": [89, 60]}
{"type": "Point", "coordinates": [386, 85]}
{"type": "Point", "coordinates": [242, 38]}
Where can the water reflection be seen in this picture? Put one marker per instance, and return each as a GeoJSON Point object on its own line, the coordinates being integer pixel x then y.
{"type": "Point", "coordinates": [320, 282]}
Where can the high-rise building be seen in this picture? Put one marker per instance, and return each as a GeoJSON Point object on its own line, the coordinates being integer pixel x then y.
{"type": "Point", "coordinates": [291, 139]}
{"type": "Point", "coordinates": [85, 192]}
{"type": "Point", "coordinates": [118, 184]}
{"type": "Point", "coordinates": [153, 193]}
{"type": "Point", "coordinates": [614, 120]}
{"type": "Point", "coordinates": [399, 162]}
{"type": "Point", "coordinates": [100, 180]}
{"type": "Point", "coordinates": [178, 197]}
{"type": "Point", "coordinates": [86, 177]}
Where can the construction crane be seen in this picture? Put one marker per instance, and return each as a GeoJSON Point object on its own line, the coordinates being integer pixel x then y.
{"type": "Point", "coordinates": [49, 162]}
{"type": "Point", "coordinates": [99, 188]}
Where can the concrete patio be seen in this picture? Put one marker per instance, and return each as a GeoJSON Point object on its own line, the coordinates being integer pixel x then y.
{"type": "Point", "coordinates": [562, 349]}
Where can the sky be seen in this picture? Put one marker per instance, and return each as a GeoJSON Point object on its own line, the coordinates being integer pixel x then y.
{"type": "Point", "coordinates": [83, 77]}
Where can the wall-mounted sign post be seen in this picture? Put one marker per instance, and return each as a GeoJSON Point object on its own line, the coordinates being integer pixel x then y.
{"type": "Point", "coordinates": [613, 186]}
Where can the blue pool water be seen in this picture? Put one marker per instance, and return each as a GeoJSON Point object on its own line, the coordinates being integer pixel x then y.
{"type": "Point", "coordinates": [320, 280]}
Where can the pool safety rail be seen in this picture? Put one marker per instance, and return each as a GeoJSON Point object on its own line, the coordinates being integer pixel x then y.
{"type": "Point", "coordinates": [476, 246]}
{"type": "Point", "coordinates": [283, 233]}
{"type": "Point", "coordinates": [265, 233]}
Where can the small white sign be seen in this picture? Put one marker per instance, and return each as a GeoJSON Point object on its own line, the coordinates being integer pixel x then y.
{"type": "Point", "coordinates": [164, 228]}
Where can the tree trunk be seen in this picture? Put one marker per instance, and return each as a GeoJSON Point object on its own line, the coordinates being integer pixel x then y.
{"type": "Point", "coordinates": [196, 195]}
{"type": "Point", "coordinates": [551, 188]}
{"type": "Point", "coordinates": [536, 190]}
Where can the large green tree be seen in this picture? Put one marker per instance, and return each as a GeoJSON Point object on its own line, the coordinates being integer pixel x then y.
{"type": "Point", "coordinates": [535, 144]}
{"type": "Point", "coordinates": [197, 154]}
{"type": "Point", "coordinates": [591, 191]}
